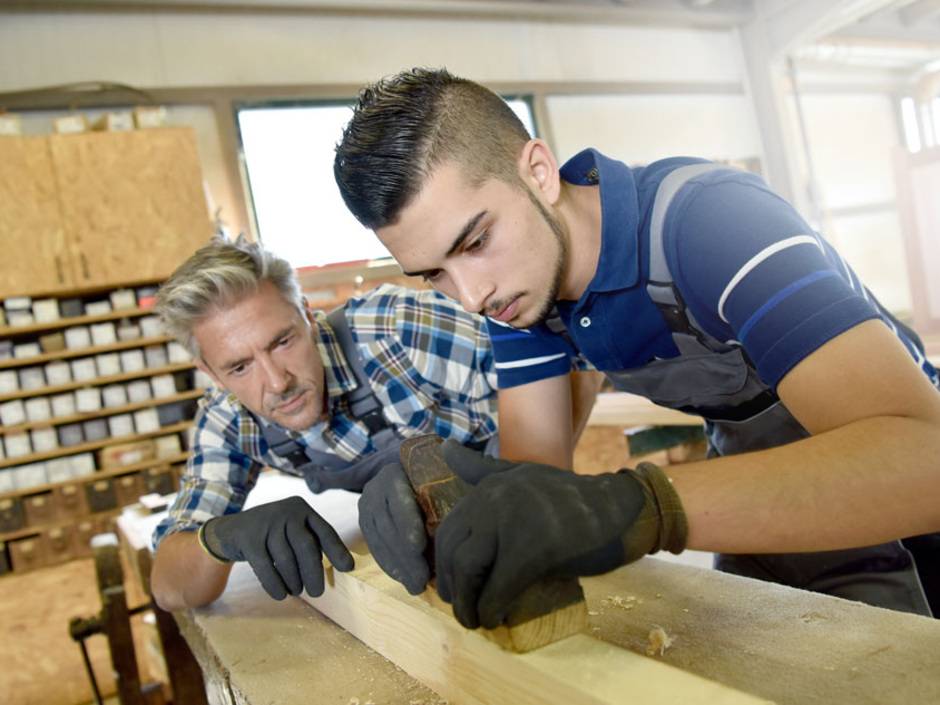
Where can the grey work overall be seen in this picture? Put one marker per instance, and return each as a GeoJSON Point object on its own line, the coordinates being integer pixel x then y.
{"type": "Point", "coordinates": [717, 381]}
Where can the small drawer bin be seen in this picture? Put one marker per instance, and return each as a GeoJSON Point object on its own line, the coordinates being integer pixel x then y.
{"type": "Point", "coordinates": [40, 508]}
{"type": "Point", "coordinates": [28, 553]}
{"type": "Point", "coordinates": [60, 544]}
{"type": "Point", "coordinates": [70, 501]}
{"type": "Point", "coordinates": [12, 514]}
{"type": "Point", "coordinates": [101, 495]}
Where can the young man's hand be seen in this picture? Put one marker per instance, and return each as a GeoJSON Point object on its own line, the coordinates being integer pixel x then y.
{"type": "Point", "coordinates": [282, 541]}
{"type": "Point", "coordinates": [526, 521]}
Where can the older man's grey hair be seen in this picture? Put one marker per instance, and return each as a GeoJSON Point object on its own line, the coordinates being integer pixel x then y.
{"type": "Point", "coordinates": [217, 276]}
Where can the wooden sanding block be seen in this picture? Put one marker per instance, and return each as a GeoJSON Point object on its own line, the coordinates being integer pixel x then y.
{"type": "Point", "coordinates": [547, 611]}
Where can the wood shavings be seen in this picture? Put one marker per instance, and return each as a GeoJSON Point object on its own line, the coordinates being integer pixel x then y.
{"type": "Point", "coordinates": [624, 603]}
{"type": "Point", "coordinates": [659, 641]}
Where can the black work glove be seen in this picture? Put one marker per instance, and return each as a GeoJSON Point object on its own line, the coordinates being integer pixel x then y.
{"type": "Point", "coordinates": [393, 525]}
{"type": "Point", "coordinates": [532, 521]}
{"type": "Point", "coordinates": [281, 541]}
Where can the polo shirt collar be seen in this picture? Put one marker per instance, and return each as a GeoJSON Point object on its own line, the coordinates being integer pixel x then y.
{"type": "Point", "coordinates": [618, 266]}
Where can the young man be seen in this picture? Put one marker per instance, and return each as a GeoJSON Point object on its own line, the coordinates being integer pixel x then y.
{"type": "Point", "coordinates": [326, 398]}
{"type": "Point", "coordinates": [688, 283]}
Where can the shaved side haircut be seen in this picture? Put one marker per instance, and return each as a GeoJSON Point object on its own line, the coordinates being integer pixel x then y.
{"type": "Point", "coordinates": [404, 126]}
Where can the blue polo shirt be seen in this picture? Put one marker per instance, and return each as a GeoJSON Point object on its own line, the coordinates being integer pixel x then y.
{"type": "Point", "coordinates": [749, 268]}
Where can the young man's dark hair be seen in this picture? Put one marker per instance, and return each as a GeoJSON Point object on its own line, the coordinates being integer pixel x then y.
{"type": "Point", "coordinates": [406, 125]}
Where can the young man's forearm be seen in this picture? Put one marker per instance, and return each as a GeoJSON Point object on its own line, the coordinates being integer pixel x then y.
{"type": "Point", "coordinates": [184, 575]}
{"type": "Point", "coordinates": [863, 484]}
{"type": "Point", "coordinates": [867, 475]}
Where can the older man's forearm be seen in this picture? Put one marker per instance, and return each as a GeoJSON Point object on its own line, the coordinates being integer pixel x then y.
{"type": "Point", "coordinates": [184, 575]}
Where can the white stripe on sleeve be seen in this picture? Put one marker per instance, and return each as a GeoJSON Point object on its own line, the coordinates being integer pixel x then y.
{"type": "Point", "coordinates": [527, 362]}
{"type": "Point", "coordinates": [752, 263]}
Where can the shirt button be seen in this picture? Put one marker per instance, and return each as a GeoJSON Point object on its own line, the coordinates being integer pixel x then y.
{"type": "Point", "coordinates": [585, 322]}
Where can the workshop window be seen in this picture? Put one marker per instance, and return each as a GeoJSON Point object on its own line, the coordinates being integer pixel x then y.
{"type": "Point", "coordinates": [920, 123]}
{"type": "Point", "coordinates": [288, 158]}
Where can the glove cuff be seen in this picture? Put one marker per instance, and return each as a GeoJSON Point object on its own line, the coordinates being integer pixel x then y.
{"type": "Point", "coordinates": [201, 538]}
{"type": "Point", "coordinates": [674, 526]}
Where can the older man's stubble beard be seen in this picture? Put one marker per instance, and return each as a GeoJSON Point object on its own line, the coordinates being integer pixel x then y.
{"type": "Point", "coordinates": [274, 401]}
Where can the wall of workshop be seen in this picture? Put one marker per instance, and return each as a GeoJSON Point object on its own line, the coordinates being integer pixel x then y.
{"type": "Point", "coordinates": [853, 135]}
{"type": "Point", "coordinates": [174, 49]}
{"type": "Point", "coordinates": [850, 135]}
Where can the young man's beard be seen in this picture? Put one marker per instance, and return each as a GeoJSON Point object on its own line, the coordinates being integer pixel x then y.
{"type": "Point", "coordinates": [561, 237]}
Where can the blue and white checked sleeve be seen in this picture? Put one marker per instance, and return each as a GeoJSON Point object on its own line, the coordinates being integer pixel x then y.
{"type": "Point", "coordinates": [219, 475]}
{"type": "Point", "coordinates": [431, 361]}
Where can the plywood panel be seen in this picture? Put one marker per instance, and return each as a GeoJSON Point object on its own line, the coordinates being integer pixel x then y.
{"type": "Point", "coordinates": [31, 230]}
{"type": "Point", "coordinates": [133, 202]}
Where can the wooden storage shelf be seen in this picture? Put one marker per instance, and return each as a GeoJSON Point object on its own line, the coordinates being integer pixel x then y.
{"type": "Point", "coordinates": [98, 381]}
{"type": "Point", "coordinates": [13, 331]}
{"type": "Point", "coordinates": [30, 531]}
{"type": "Point", "coordinates": [104, 412]}
{"type": "Point", "coordinates": [84, 352]}
{"type": "Point", "coordinates": [101, 474]}
{"type": "Point", "coordinates": [92, 445]}
{"type": "Point", "coordinates": [89, 214]}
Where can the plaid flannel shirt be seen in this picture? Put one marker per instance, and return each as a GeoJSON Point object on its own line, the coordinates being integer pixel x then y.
{"type": "Point", "coordinates": [431, 367]}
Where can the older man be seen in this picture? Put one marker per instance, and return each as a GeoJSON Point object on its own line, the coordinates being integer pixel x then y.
{"type": "Point", "coordinates": [325, 397]}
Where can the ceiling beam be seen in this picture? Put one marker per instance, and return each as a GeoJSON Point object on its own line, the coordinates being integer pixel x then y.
{"type": "Point", "coordinates": [720, 14]}
{"type": "Point", "coordinates": [919, 11]}
{"type": "Point", "coordinates": [789, 23]}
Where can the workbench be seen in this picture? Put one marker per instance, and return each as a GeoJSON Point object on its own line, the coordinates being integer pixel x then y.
{"type": "Point", "coordinates": [775, 642]}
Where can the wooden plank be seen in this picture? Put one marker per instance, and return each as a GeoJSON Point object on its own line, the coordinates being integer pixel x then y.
{"type": "Point", "coordinates": [622, 409]}
{"type": "Point", "coordinates": [467, 669]}
{"type": "Point", "coordinates": [547, 611]}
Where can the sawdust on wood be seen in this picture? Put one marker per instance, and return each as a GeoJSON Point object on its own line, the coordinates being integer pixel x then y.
{"type": "Point", "coordinates": [659, 641]}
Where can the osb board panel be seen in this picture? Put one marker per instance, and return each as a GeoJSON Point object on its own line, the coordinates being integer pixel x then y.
{"type": "Point", "coordinates": [30, 224]}
{"type": "Point", "coordinates": [133, 202]}
{"type": "Point", "coordinates": [39, 663]}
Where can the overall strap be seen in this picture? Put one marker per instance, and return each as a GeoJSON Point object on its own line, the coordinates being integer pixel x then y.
{"type": "Point", "coordinates": [661, 286]}
{"type": "Point", "coordinates": [363, 404]}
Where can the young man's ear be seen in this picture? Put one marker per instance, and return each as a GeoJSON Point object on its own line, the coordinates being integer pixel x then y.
{"type": "Point", "coordinates": [538, 169]}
